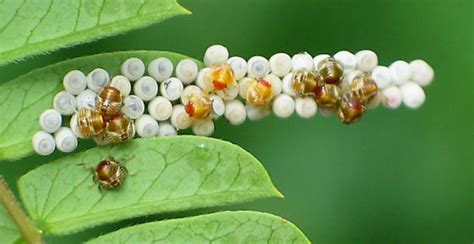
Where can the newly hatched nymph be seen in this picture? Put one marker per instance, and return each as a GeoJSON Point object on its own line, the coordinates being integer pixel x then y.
{"type": "Point", "coordinates": [110, 174]}
{"type": "Point", "coordinates": [90, 122]}
{"type": "Point", "coordinates": [328, 95]}
{"type": "Point", "coordinates": [119, 128]}
{"type": "Point", "coordinates": [259, 93]}
{"type": "Point", "coordinates": [109, 101]}
{"type": "Point", "coordinates": [363, 88]}
{"type": "Point", "coordinates": [357, 95]}
{"type": "Point", "coordinates": [221, 77]}
{"type": "Point", "coordinates": [331, 71]}
{"type": "Point", "coordinates": [199, 106]}
{"type": "Point", "coordinates": [350, 110]}
{"type": "Point", "coordinates": [304, 82]}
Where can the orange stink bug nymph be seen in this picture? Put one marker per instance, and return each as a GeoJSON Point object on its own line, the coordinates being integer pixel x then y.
{"type": "Point", "coordinates": [221, 77]}
{"type": "Point", "coordinates": [259, 93]}
{"type": "Point", "coordinates": [199, 106]}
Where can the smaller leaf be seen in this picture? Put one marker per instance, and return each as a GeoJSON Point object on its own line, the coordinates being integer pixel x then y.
{"type": "Point", "coordinates": [222, 227]}
{"type": "Point", "coordinates": [32, 27]}
{"type": "Point", "coordinates": [167, 174]}
{"type": "Point", "coordinates": [8, 231]}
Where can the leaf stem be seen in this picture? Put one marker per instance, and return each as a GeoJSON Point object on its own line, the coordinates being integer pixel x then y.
{"type": "Point", "coordinates": [28, 230]}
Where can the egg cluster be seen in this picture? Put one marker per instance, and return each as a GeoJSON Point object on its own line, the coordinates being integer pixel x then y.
{"type": "Point", "coordinates": [160, 99]}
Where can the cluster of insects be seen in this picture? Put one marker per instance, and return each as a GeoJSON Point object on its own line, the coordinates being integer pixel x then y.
{"type": "Point", "coordinates": [326, 84]}
{"type": "Point", "coordinates": [106, 123]}
{"type": "Point", "coordinates": [161, 98]}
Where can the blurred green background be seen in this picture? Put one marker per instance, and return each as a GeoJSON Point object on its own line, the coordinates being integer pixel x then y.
{"type": "Point", "coordinates": [399, 176]}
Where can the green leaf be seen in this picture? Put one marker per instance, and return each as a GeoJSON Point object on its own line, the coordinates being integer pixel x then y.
{"type": "Point", "coordinates": [8, 231]}
{"type": "Point", "coordinates": [223, 227]}
{"type": "Point", "coordinates": [167, 174]}
{"type": "Point", "coordinates": [32, 27]}
{"type": "Point", "coordinates": [23, 99]}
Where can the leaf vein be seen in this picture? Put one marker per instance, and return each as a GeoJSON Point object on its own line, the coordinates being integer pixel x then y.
{"type": "Point", "coordinates": [102, 196]}
{"type": "Point", "coordinates": [177, 185]}
{"type": "Point", "coordinates": [14, 117]}
{"type": "Point", "coordinates": [219, 161]}
{"type": "Point", "coordinates": [100, 13]}
{"type": "Point", "coordinates": [48, 195]}
{"type": "Point", "coordinates": [160, 174]}
{"type": "Point", "coordinates": [39, 22]}
{"type": "Point", "coordinates": [140, 8]}
{"type": "Point", "coordinates": [65, 197]}
{"type": "Point", "coordinates": [23, 109]}
{"type": "Point", "coordinates": [76, 21]}
{"type": "Point", "coordinates": [167, 235]}
{"type": "Point", "coordinates": [13, 17]}
{"type": "Point", "coordinates": [239, 171]}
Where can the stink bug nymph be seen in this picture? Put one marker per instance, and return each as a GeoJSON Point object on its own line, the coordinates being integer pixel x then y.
{"type": "Point", "coordinates": [109, 174]}
{"type": "Point", "coordinates": [109, 101]}
{"type": "Point", "coordinates": [221, 77]}
{"type": "Point", "coordinates": [259, 93]}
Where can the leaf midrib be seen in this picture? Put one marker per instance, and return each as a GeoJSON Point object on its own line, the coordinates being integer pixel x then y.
{"type": "Point", "coordinates": [141, 209]}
